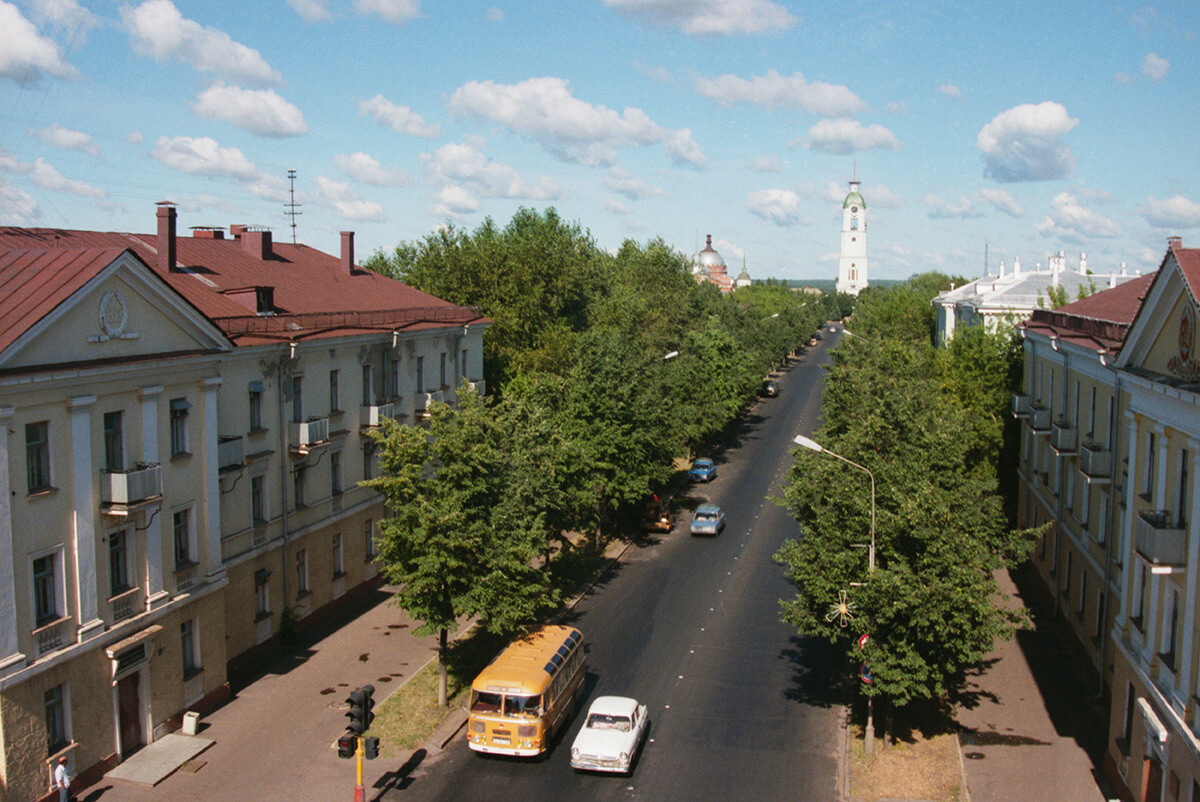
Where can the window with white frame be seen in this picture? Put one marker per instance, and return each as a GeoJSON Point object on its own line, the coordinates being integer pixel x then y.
{"type": "Point", "coordinates": [256, 406]}
{"type": "Point", "coordinates": [338, 567]}
{"type": "Point", "coordinates": [181, 530]}
{"type": "Point", "coordinates": [179, 427]}
{"type": "Point", "coordinates": [301, 572]}
{"type": "Point", "coordinates": [48, 595]}
{"type": "Point", "coordinates": [262, 594]}
{"type": "Point", "coordinates": [369, 534]}
{"type": "Point", "coordinates": [189, 642]}
{"type": "Point", "coordinates": [393, 377]}
{"type": "Point", "coordinates": [258, 499]}
{"type": "Point", "coordinates": [114, 441]}
{"type": "Point", "coordinates": [58, 720]}
{"type": "Point", "coordinates": [37, 456]}
{"type": "Point", "coordinates": [118, 562]}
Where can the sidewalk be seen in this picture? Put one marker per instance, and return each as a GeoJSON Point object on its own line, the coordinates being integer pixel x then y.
{"type": "Point", "coordinates": [1033, 730]}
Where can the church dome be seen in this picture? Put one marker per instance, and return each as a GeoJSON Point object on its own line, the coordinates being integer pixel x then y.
{"type": "Point", "coordinates": [854, 199]}
{"type": "Point", "coordinates": [709, 257]}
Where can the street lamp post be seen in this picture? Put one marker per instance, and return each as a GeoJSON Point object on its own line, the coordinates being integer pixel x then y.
{"type": "Point", "coordinates": [813, 445]}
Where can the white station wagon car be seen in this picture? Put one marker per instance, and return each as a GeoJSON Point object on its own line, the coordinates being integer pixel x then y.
{"type": "Point", "coordinates": [613, 732]}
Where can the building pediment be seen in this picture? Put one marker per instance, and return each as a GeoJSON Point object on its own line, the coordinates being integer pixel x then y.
{"type": "Point", "coordinates": [118, 309]}
{"type": "Point", "coordinates": [1162, 339]}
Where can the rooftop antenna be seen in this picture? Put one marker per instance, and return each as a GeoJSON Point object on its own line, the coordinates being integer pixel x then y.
{"type": "Point", "coordinates": [986, 272]}
{"type": "Point", "coordinates": [291, 208]}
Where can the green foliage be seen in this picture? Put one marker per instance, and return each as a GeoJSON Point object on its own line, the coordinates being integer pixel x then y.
{"type": "Point", "coordinates": [903, 311]}
{"type": "Point", "coordinates": [928, 425]}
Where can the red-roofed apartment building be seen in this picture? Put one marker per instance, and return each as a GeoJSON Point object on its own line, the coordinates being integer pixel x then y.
{"type": "Point", "coordinates": [186, 424]}
{"type": "Point", "coordinates": [1110, 452]}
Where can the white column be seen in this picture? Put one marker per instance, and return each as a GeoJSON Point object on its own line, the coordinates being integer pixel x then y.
{"type": "Point", "coordinates": [1187, 605]}
{"type": "Point", "coordinates": [11, 658]}
{"type": "Point", "coordinates": [1126, 540]}
{"type": "Point", "coordinates": [156, 594]}
{"type": "Point", "coordinates": [83, 477]}
{"type": "Point", "coordinates": [214, 569]}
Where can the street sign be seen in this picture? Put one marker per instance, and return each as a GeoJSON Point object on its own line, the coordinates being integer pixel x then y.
{"type": "Point", "coordinates": [865, 674]}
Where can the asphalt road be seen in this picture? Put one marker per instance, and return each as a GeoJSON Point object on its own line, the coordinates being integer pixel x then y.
{"type": "Point", "coordinates": [740, 706]}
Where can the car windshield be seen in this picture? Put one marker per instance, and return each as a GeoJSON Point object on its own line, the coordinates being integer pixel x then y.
{"type": "Point", "coordinates": [703, 463]}
{"type": "Point", "coordinates": [605, 721]}
{"type": "Point", "coordinates": [706, 515]}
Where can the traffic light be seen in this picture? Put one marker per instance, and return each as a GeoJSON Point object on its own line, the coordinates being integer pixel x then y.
{"type": "Point", "coordinates": [347, 745]}
{"type": "Point", "coordinates": [360, 714]}
{"type": "Point", "coordinates": [370, 748]}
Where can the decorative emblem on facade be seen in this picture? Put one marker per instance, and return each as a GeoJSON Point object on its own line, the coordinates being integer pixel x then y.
{"type": "Point", "coordinates": [114, 317]}
{"type": "Point", "coordinates": [1184, 363]}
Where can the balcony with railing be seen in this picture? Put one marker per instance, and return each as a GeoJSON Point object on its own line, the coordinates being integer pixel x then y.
{"type": "Point", "coordinates": [423, 401]}
{"type": "Point", "coordinates": [373, 415]}
{"type": "Point", "coordinates": [54, 636]}
{"type": "Point", "coordinates": [1095, 461]}
{"type": "Point", "coordinates": [1063, 437]}
{"type": "Point", "coordinates": [123, 491]}
{"type": "Point", "coordinates": [309, 434]}
{"type": "Point", "coordinates": [1020, 405]}
{"type": "Point", "coordinates": [127, 604]}
{"type": "Point", "coordinates": [1039, 419]}
{"type": "Point", "coordinates": [1159, 540]}
{"type": "Point", "coordinates": [231, 452]}
{"type": "Point", "coordinates": [479, 386]}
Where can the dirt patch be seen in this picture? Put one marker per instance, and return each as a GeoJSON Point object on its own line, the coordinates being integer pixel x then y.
{"type": "Point", "coordinates": [918, 768]}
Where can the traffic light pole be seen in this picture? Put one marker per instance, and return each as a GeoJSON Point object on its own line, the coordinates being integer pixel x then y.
{"type": "Point", "coordinates": [360, 794]}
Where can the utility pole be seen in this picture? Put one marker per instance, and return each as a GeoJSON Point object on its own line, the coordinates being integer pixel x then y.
{"type": "Point", "coordinates": [291, 208]}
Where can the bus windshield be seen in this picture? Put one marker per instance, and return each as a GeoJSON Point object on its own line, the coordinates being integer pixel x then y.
{"type": "Point", "coordinates": [522, 705]}
{"type": "Point", "coordinates": [486, 702]}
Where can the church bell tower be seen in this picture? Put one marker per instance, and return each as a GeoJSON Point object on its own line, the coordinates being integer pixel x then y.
{"type": "Point", "coordinates": [852, 262]}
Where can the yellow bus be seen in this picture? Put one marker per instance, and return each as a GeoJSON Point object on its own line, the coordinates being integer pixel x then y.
{"type": "Point", "coordinates": [527, 692]}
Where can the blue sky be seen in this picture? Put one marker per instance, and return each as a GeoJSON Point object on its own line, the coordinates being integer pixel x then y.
{"type": "Point", "coordinates": [1032, 127]}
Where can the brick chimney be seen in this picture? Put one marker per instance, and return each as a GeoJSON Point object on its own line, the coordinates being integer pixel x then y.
{"type": "Point", "coordinates": [347, 252]}
{"type": "Point", "coordinates": [166, 236]}
{"type": "Point", "coordinates": [1174, 242]}
{"type": "Point", "coordinates": [257, 242]}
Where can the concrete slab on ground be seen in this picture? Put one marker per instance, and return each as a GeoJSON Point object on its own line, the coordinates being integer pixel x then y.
{"type": "Point", "coordinates": [155, 762]}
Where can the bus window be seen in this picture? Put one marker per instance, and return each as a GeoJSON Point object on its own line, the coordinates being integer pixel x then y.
{"type": "Point", "coordinates": [484, 702]}
{"type": "Point", "coordinates": [522, 705]}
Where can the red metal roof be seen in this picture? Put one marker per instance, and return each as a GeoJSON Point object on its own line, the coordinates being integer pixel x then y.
{"type": "Point", "coordinates": [1100, 321]}
{"type": "Point", "coordinates": [313, 294]}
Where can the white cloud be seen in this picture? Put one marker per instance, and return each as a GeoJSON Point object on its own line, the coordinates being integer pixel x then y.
{"type": "Point", "coordinates": [58, 137]}
{"type": "Point", "coordinates": [203, 156]}
{"type": "Point", "coordinates": [951, 91]}
{"type": "Point", "coordinates": [940, 209]}
{"type": "Point", "coordinates": [367, 170]}
{"type": "Point", "coordinates": [703, 17]}
{"type": "Point", "coordinates": [466, 165]}
{"type": "Point", "coordinates": [1072, 222]}
{"type": "Point", "coordinates": [783, 91]}
{"type": "Point", "coordinates": [25, 55]}
{"type": "Point", "coordinates": [1003, 201]}
{"type": "Point", "coordinates": [1022, 143]}
{"type": "Point", "coordinates": [778, 206]}
{"type": "Point", "coordinates": [1174, 213]}
{"type": "Point", "coordinates": [44, 175]}
{"type": "Point", "coordinates": [880, 197]}
{"type": "Point", "coordinates": [17, 207]}
{"type": "Point", "coordinates": [398, 11]}
{"type": "Point", "coordinates": [400, 119]}
{"type": "Point", "coordinates": [765, 164]}
{"type": "Point", "coordinates": [1155, 67]}
{"type": "Point", "coordinates": [615, 207]}
{"type": "Point", "coordinates": [453, 201]}
{"type": "Point", "coordinates": [626, 183]}
{"type": "Point", "coordinates": [134, 138]}
{"type": "Point", "coordinates": [159, 31]}
{"type": "Point", "coordinates": [1123, 78]}
{"type": "Point", "coordinates": [346, 202]}
{"type": "Point", "coordinates": [658, 74]}
{"type": "Point", "coordinates": [67, 16]}
{"type": "Point", "coordinates": [844, 136]}
{"type": "Point", "coordinates": [310, 10]}
{"type": "Point", "coordinates": [266, 186]}
{"type": "Point", "coordinates": [545, 110]}
{"type": "Point", "coordinates": [259, 111]}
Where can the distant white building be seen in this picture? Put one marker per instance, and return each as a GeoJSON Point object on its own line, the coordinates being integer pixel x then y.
{"type": "Point", "coordinates": [1014, 294]}
{"type": "Point", "coordinates": [852, 261]}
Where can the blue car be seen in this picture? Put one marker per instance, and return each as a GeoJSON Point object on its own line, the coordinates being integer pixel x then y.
{"type": "Point", "coordinates": [702, 470]}
{"type": "Point", "coordinates": [708, 520]}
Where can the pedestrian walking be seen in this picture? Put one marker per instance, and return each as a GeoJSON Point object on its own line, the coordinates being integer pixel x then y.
{"type": "Point", "coordinates": [61, 780]}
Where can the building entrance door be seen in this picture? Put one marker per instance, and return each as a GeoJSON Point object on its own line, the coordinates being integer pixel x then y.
{"type": "Point", "coordinates": [129, 711]}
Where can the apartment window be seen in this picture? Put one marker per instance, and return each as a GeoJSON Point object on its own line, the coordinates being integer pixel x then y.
{"type": "Point", "coordinates": [189, 642]}
{"type": "Point", "coordinates": [338, 569]}
{"type": "Point", "coordinates": [298, 485]}
{"type": "Point", "coordinates": [1069, 471]}
{"type": "Point", "coordinates": [393, 377]}
{"type": "Point", "coordinates": [37, 456]}
{"type": "Point", "coordinates": [1183, 497]}
{"type": "Point", "coordinates": [368, 460]}
{"type": "Point", "coordinates": [464, 373]}
{"type": "Point", "coordinates": [1099, 625]}
{"type": "Point", "coordinates": [1067, 578]}
{"type": "Point", "coordinates": [1082, 592]}
{"type": "Point", "coordinates": [1085, 492]}
{"type": "Point", "coordinates": [179, 416]}
{"type": "Point", "coordinates": [442, 370]}
{"type": "Point", "coordinates": [256, 407]}
{"type": "Point", "coordinates": [114, 451]}
{"type": "Point", "coordinates": [298, 399]}
{"type": "Point", "coordinates": [1139, 595]}
{"type": "Point", "coordinates": [367, 397]}
{"type": "Point", "coordinates": [54, 702]}
{"type": "Point", "coordinates": [181, 528]}
{"type": "Point", "coordinates": [333, 391]}
{"type": "Point", "coordinates": [118, 562]}
{"type": "Point", "coordinates": [1092, 415]}
{"type": "Point", "coordinates": [258, 499]}
{"type": "Point", "coordinates": [1130, 701]}
{"type": "Point", "coordinates": [420, 374]}
{"type": "Point", "coordinates": [369, 533]}
{"type": "Point", "coordinates": [1171, 634]}
{"type": "Point", "coordinates": [1149, 490]}
{"type": "Point", "coordinates": [262, 594]}
{"type": "Point", "coordinates": [1108, 436]}
{"type": "Point", "coordinates": [301, 572]}
{"type": "Point", "coordinates": [47, 588]}
{"type": "Point", "coordinates": [335, 473]}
